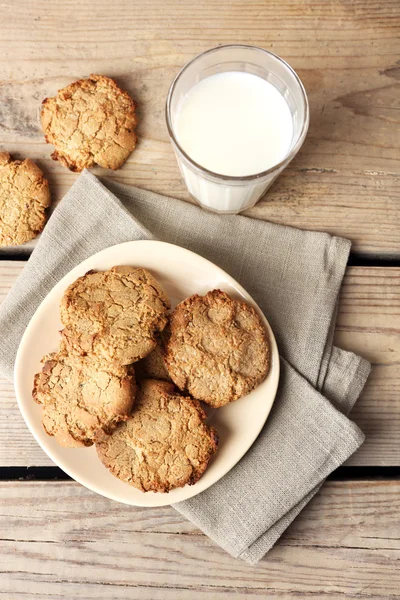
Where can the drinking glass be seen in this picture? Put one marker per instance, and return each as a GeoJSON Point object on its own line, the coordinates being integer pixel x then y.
{"type": "Point", "coordinates": [229, 194]}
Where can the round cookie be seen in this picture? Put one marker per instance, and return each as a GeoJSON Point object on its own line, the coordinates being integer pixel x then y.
{"type": "Point", "coordinates": [82, 401]}
{"type": "Point", "coordinates": [24, 197]}
{"type": "Point", "coordinates": [164, 444]}
{"type": "Point", "coordinates": [152, 366]}
{"type": "Point", "coordinates": [114, 315]}
{"type": "Point", "coordinates": [90, 121]}
{"type": "Point", "coordinates": [216, 348]}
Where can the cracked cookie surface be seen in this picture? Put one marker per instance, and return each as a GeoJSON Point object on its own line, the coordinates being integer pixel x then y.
{"type": "Point", "coordinates": [216, 348]}
{"type": "Point", "coordinates": [114, 315]}
{"type": "Point", "coordinates": [91, 121]}
{"type": "Point", "coordinates": [164, 444]}
{"type": "Point", "coordinates": [153, 366]}
{"type": "Point", "coordinates": [82, 401]}
{"type": "Point", "coordinates": [24, 197]}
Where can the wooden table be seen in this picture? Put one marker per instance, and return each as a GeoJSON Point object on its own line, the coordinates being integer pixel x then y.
{"type": "Point", "coordinates": [59, 540]}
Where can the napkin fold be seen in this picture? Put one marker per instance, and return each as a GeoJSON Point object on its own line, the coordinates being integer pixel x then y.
{"type": "Point", "coordinates": [295, 277]}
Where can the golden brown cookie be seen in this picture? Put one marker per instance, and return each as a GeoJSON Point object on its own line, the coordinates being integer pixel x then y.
{"type": "Point", "coordinates": [152, 366]}
{"type": "Point", "coordinates": [81, 400]}
{"type": "Point", "coordinates": [90, 121]}
{"type": "Point", "coordinates": [216, 348]}
{"type": "Point", "coordinates": [164, 444]}
{"type": "Point", "coordinates": [24, 197]}
{"type": "Point", "coordinates": [114, 315]}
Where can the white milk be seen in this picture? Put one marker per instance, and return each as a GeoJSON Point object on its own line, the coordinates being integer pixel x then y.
{"type": "Point", "coordinates": [233, 124]}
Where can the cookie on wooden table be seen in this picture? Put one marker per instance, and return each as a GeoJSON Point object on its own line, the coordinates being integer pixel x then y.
{"type": "Point", "coordinates": [89, 122]}
{"type": "Point", "coordinates": [114, 314]}
{"type": "Point", "coordinates": [164, 444]}
{"type": "Point", "coordinates": [82, 401]}
{"type": "Point", "coordinates": [24, 197]}
{"type": "Point", "coordinates": [216, 348]}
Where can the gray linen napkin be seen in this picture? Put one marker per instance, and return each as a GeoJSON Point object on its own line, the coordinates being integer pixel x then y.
{"type": "Point", "coordinates": [295, 277]}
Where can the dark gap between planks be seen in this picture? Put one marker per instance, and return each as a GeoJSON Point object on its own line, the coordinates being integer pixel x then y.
{"type": "Point", "coordinates": [355, 259]}
{"type": "Point", "coordinates": [20, 255]}
{"type": "Point", "coordinates": [56, 474]}
{"type": "Point", "coordinates": [361, 260]}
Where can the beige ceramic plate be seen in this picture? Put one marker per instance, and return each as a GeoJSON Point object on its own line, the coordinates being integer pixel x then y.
{"type": "Point", "coordinates": [182, 273]}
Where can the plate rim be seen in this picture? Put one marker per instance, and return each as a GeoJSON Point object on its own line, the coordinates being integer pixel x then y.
{"type": "Point", "coordinates": [275, 369]}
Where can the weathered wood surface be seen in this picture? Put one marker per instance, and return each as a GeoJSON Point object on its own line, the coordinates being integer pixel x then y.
{"type": "Point", "coordinates": [346, 178]}
{"type": "Point", "coordinates": [58, 540]}
{"type": "Point", "coordinates": [61, 541]}
{"type": "Point", "coordinates": [368, 323]}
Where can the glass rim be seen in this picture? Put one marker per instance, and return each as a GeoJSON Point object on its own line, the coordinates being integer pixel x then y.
{"type": "Point", "coordinates": [238, 178]}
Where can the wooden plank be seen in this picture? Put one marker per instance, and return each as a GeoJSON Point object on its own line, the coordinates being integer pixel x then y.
{"type": "Point", "coordinates": [345, 179]}
{"type": "Point", "coordinates": [61, 541]}
{"type": "Point", "coordinates": [368, 323]}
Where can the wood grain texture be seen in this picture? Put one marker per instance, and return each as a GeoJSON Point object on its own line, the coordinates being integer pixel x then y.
{"type": "Point", "coordinates": [61, 541]}
{"type": "Point", "coordinates": [346, 178]}
{"type": "Point", "coordinates": [58, 540]}
{"type": "Point", "coordinates": [368, 323]}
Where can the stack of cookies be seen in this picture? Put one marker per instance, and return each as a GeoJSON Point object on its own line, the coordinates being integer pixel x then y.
{"type": "Point", "coordinates": [151, 433]}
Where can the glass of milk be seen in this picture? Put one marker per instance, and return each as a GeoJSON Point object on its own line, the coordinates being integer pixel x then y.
{"type": "Point", "coordinates": [236, 115]}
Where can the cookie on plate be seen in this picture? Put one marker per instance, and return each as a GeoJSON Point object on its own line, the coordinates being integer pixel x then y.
{"type": "Point", "coordinates": [114, 314]}
{"type": "Point", "coordinates": [164, 444]}
{"type": "Point", "coordinates": [152, 366]}
{"type": "Point", "coordinates": [82, 401]}
{"type": "Point", "coordinates": [91, 121]}
{"type": "Point", "coordinates": [24, 197]}
{"type": "Point", "coordinates": [216, 348]}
